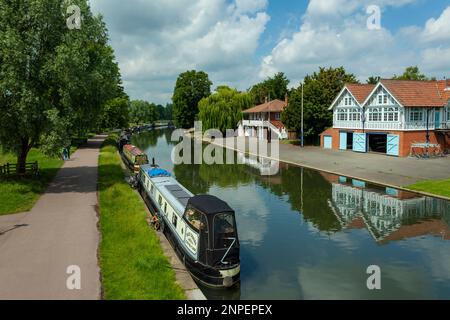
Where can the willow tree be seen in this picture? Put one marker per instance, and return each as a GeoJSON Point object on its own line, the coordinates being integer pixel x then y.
{"type": "Point", "coordinates": [54, 79]}
{"type": "Point", "coordinates": [223, 109]}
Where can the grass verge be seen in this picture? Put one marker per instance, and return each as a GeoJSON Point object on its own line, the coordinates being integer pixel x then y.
{"type": "Point", "coordinates": [437, 187]}
{"type": "Point", "coordinates": [19, 194]}
{"type": "Point", "coordinates": [133, 264]}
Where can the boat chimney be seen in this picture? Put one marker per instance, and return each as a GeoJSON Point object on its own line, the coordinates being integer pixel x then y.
{"type": "Point", "coordinates": [153, 162]}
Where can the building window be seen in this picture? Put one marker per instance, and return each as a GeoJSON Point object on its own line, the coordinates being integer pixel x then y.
{"type": "Point", "coordinates": [416, 115]}
{"type": "Point", "coordinates": [448, 114]}
{"type": "Point", "coordinates": [375, 114]}
{"type": "Point", "coordinates": [382, 98]}
{"type": "Point", "coordinates": [277, 116]}
{"type": "Point", "coordinates": [342, 115]}
{"type": "Point", "coordinates": [391, 115]}
{"type": "Point", "coordinates": [355, 115]}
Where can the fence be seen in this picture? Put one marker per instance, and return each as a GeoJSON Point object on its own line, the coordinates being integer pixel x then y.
{"type": "Point", "coordinates": [11, 169]}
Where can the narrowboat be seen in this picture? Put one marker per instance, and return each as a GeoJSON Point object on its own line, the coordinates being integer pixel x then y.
{"type": "Point", "coordinates": [134, 157]}
{"type": "Point", "coordinates": [201, 228]}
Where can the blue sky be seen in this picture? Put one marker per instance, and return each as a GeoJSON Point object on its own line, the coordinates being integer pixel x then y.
{"type": "Point", "coordinates": [241, 42]}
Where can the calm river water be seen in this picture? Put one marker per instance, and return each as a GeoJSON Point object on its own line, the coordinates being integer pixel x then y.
{"type": "Point", "coordinates": [306, 234]}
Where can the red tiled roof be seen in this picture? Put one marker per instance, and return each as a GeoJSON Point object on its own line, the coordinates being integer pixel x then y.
{"type": "Point", "coordinates": [408, 93]}
{"type": "Point", "coordinates": [417, 93]}
{"type": "Point", "coordinates": [360, 91]}
{"type": "Point", "coordinates": [277, 124]}
{"type": "Point", "coordinates": [272, 106]}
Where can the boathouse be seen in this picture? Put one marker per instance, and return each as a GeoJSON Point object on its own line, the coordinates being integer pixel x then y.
{"type": "Point", "coordinates": [264, 121]}
{"type": "Point", "coordinates": [393, 117]}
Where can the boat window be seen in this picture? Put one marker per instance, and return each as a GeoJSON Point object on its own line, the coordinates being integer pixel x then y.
{"type": "Point", "coordinates": [152, 189]}
{"type": "Point", "coordinates": [160, 200]}
{"type": "Point", "coordinates": [195, 219]}
{"type": "Point", "coordinates": [223, 230]}
{"type": "Point", "coordinates": [165, 207]}
{"type": "Point", "coordinates": [142, 159]}
{"type": "Point", "coordinates": [174, 220]}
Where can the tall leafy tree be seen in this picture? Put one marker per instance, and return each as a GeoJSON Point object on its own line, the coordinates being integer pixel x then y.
{"type": "Point", "coordinates": [168, 112]}
{"type": "Point", "coordinates": [223, 109]}
{"type": "Point", "coordinates": [53, 79]}
{"type": "Point", "coordinates": [373, 80]}
{"type": "Point", "coordinates": [143, 112]}
{"type": "Point", "coordinates": [411, 73]}
{"type": "Point", "coordinates": [115, 114]}
{"type": "Point", "coordinates": [320, 89]}
{"type": "Point", "coordinates": [190, 88]}
{"type": "Point", "coordinates": [272, 88]}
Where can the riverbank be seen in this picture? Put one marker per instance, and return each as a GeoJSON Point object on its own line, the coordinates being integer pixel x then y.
{"type": "Point", "coordinates": [132, 262]}
{"type": "Point", "coordinates": [20, 194]}
{"type": "Point", "coordinates": [400, 173]}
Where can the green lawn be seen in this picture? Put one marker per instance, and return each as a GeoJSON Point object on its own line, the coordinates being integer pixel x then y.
{"type": "Point", "coordinates": [437, 187]}
{"type": "Point", "coordinates": [132, 262]}
{"type": "Point", "coordinates": [19, 194]}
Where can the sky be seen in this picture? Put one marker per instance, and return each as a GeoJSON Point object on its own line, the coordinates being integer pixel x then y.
{"type": "Point", "coordinates": [242, 42]}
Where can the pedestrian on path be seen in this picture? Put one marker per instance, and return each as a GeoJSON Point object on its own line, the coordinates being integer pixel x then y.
{"type": "Point", "coordinates": [65, 154]}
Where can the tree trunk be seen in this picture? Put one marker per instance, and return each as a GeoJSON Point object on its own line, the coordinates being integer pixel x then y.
{"type": "Point", "coordinates": [22, 156]}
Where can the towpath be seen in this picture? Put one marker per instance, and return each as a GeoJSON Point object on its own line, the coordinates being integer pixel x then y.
{"type": "Point", "coordinates": [59, 235]}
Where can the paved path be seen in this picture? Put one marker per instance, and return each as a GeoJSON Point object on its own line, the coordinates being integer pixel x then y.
{"type": "Point", "coordinates": [382, 169]}
{"type": "Point", "coordinates": [37, 247]}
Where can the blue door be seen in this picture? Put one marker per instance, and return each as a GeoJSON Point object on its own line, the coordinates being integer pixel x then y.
{"type": "Point", "coordinates": [328, 142]}
{"type": "Point", "coordinates": [359, 142]}
{"type": "Point", "coordinates": [393, 145]}
{"type": "Point", "coordinates": [343, 140]}
{"type": "Point", "coordinates": [437, 119]}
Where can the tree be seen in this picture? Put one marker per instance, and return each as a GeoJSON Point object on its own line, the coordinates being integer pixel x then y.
{"type": "Point", "coordinates": [190, 88]}
{"type": "Point", "coordinates": [168, 112]}
{"type": "Point", "coordinates": [320, 89]}
{"type": "Point", "coordinates": [53, 79]}
{"type": "Point", "coordinates": [411, 73]}
{"type": "Point", "coordinates": [223, 109]}
{"type": "Point", "coordinates": [373, 80]}
{"type": "Point", "coordinates": [161, 112]}
{"type": "Point", "coordinates": [142, 112]}
{"type": "Point", "coordinates": [271, 88]}
{"type": "Point", "coordinates": [115, 114]}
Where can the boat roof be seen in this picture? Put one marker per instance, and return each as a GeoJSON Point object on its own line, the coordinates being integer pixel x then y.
{"type": "Point", "coordinates": [209, 204]}
{"type": "Point", "coordinates": [134, 150]}
{"type": "Point", "coordinates": [171, 189]}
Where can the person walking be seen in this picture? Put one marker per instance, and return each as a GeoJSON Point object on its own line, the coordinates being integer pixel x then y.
{"type": "Point", "coordinates": [65, 154]}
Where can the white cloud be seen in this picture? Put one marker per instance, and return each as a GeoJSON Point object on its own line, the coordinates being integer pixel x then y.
{"type": "Point", "coordinates": [335, 33]}
{"type": "Point", "coordinates": [157, 40]}
{"type": "Point", "coordinates": [438, 29]}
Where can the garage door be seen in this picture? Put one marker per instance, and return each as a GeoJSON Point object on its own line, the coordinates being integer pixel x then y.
{"type": "Point", "coordinates": [360, 142]}
{"type": "Point", "coordinates": [393, 145]}
{"type": "Point", "coordinates": [327, 142]}
{"type": "Point", "coordinates": [343, 140]}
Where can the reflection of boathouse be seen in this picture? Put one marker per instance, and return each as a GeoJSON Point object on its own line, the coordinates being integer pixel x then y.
{"type": "Point", "coordinates": [389, 215]}
{"type": "Point", "coordinates": [265, 167]}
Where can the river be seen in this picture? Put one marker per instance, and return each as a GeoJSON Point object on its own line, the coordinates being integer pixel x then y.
{"type": "Point", "coordinates": [306, 234]}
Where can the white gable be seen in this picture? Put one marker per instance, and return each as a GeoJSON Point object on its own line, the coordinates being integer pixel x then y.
{"type": "Point", "coordinates": [344, 100]}
{"type": "Point", "coordinates": [381, 97]}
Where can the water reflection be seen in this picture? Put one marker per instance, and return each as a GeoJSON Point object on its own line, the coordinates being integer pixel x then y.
{"type": "Point", "coordinates": [388, 214]}
{"type": "Point", "coordinates": [311, 235]}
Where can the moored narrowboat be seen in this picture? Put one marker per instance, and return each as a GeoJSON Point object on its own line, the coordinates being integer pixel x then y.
{"type": "Point", "coordinates": [202, 228]}
{"type": "Point", "coordinates": [134, 157]}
